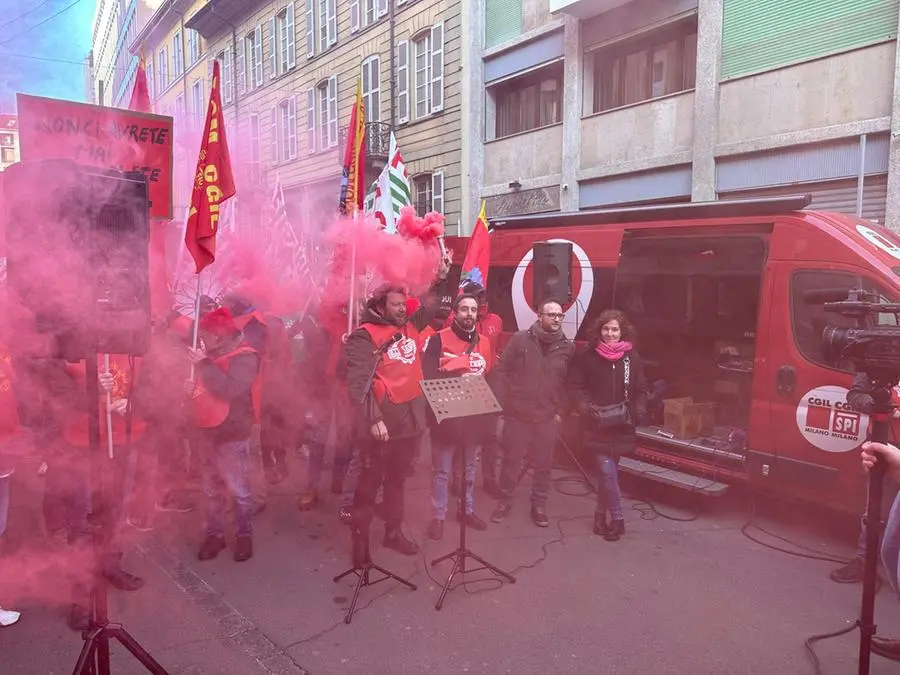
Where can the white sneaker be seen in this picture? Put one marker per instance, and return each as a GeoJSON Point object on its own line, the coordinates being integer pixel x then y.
{"type": "Point", "coordinates": [8, 617]}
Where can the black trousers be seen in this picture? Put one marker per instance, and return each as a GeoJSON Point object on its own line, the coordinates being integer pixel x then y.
{"type": "Point", "coordinates": [383, 463]}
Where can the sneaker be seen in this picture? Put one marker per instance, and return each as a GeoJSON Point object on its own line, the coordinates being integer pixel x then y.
{"type": "Point", "coordinates": [500, 513]}
{"type": "Point", "coordinates": [212, 546]}
{"type": "Point", "coordinates": [124, 581]}
{"type": "Point", "coordinates": [243, 549]}
{"type": "Point", "coordinates": [395, 539]}
{"type": "Point", "coordinates": [616, 530]}
{"type": "Point", "coordinates": [889, 649]}
{"type": "Point", "coordinates": [851, 573]}
{"type": "Point", "coordinates": [8, 617]}
{"type": "Point", "coordinates": [475, 523]}
{"type": "Point", "coordinates": [600, 526]}
{"type": "Point", "coordinates": [436, 530]}
{"type": "Point", "coordinates": [539, 516]}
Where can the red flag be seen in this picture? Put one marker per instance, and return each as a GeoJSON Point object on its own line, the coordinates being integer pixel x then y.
{"type": "Point", "coordinates": [140, 95]}
{"type": "Point", "coordinates": [352, 194]}
{"type": "Point", "coordinates": [477, 264]}
{"type": "Point", "coordinates": [213, 182]}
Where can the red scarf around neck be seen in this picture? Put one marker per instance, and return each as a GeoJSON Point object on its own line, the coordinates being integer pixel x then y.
{"type": "Point", "coordinates": [613, 352]}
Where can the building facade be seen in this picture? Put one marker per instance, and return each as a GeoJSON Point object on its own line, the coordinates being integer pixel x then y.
{"type": "Point", "coordinates": [9, 141]}
{"type": "Point", "coordinates": [104, 42]}
{"type": "Point", "coordinates": [581, 104]}
{"type": "Point", "coordinates": [290, 72]}
{"type": "Point", "coordinates": [178, 77]}
{"type": "Point", "coordinates": [116, 25]}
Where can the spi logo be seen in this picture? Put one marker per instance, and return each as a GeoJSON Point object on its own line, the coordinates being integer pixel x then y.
{"type": "Point", "coordinates": [826, 420]}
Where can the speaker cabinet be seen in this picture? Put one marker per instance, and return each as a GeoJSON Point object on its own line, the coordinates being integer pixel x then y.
{"type": "Point", "coordinates": [552, 271]}
{"type": "Point", "coordinates": [77, 247]}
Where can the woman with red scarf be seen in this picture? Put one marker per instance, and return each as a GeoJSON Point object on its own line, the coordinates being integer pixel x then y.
{"type": "Point", "coordinates": [610, 394]}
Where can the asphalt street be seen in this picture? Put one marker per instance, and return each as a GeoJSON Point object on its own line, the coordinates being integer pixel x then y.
{"type": "Point", "coordinates": [671, 597]}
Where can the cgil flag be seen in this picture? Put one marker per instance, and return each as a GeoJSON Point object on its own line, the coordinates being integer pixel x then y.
{"type": "Point", "coordinates": [477, 263]}
{"type": "Point", "coordinates": [351, 200]}
{"type": "Point", "coordinates": [213, 182]}
{"type": "Point", "coordinates": [391, 191]}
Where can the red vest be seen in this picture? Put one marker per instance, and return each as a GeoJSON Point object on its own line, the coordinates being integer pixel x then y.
{"type": "Point", "coordinates": [9, 413]}
{"type": "Point", "coordinates": [424, 336]}
{"type": "Point", "coordinates": [210, 411]}
{"type": "Point", "coordinates": [398, 374]}
{"type": "Point", "coordinates": [490, 326]}
{"type": "Point", "coordinates": [75, 424]}
{"type": "Point", "coordinates": [455, 361]}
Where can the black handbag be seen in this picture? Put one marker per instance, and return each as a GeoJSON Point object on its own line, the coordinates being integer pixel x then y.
{"type": "Point", "coordinates": [618, 414]}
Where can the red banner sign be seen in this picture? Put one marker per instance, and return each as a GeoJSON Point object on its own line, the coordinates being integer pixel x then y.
{"type": "Point", "coordinates": [104, 137]}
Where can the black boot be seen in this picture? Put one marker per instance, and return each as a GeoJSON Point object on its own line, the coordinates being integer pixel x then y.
{"type": "Point", "coordinates": [395, 539]}
{"type": "Point", "coordinates": [124, 581]}
{"type": "Point", "coordinates": [600, 526]}
{"type": "Point", "coordinates": [616, 530]}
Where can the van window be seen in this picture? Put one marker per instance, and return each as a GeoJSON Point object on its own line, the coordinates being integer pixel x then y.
{"type": "Point", "coordinates": [809, 317]}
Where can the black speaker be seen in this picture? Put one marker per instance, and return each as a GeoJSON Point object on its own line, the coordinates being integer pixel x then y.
{"type": "Point", "coordinates": [77, 247]}
{"type": "Point", "coordinates": [552, 271]}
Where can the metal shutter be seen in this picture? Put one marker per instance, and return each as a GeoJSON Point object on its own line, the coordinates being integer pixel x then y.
{"type": "Point", "coordinates": [759, 35]}
{"type": "Point", "coordinates": [502, 21]}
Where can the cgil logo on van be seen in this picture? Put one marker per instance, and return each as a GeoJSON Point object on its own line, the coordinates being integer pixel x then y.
{"type": "Point", "coordinates": [575, 313]}
{"type": "Point", "coordinates": [879, 241]}
{"type": "Point", "coordinates": [826, 420]}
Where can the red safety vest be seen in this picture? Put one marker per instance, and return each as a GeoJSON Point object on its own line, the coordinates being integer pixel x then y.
{"type": "Point", "coordinates": [424, 336]}
{"type": "Point", "coordinates": [398, 374]}
{"type": "Point", "coordinates": [75, 424]}
{"type": "Point", "coordinates": [211, 411]}
{"type": "Point", "coordinates": [9, 413]}
{"type": "Point", "coordinates": [490, 327]}
{"type": "Point", "coordinates": [455, 361]}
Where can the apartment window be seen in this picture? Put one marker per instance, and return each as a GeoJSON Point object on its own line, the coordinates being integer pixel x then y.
{"type": "Point", "coordinates": [529, 102]}
{"type": "Point", "coordinates": [287, 119]}
{"type": "Point", "coordinates": [151, 84]}
{"type": "Point", "coordinates": [311, 120]}
{"type": "Point", "coordinates": [429, 71]}
{"type": "Point", "coordinates": [402, 82]}
{"type": "Point", "coordinates": [371, 88]}
{"type": "Point", "coordinates": [197, 108]}
{"type": "Point", "coordinates": [253, 47]}
{"type": "Point", "coordinates": [366, 12]}
{"type": "Point", "coordinates": [227, 84]}
{"type": "Point", "coordinates": [254, 168]}
{"type": "Point", "coordinates": [428, 192]}
{"type": "Point", "coordinates": [179, 109]}
{"type": "Point", "coordinates": [321, 25]}
{"type": "Point", "coordinates": [282, 42]}
{"type": "Point", "coordinates": [658, 64]}
{"type": "Point", "coordinates": [177, 55]}
{"type": "Point", "coordinates": [7, 155]}
{"type": "Point", "coordinates": [193, 38]}
{"type": "Point", "coordinates": [162, 69]}
{"type": "Point", "coordinates": [326, 100]}
{"type": "Point", "coordinates": [273, 135]}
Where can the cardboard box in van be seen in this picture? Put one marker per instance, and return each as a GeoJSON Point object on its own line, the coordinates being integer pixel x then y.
{"type": "Point", "coordinates": [684, 418]}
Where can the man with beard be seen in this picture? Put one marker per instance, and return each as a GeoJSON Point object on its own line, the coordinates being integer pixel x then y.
{"type": "Point", "coordinates": [529, 381]}
{"type": "Point", "coordinates": [384, 368]}
{"type": "Point", "coordinates": [457, 351]}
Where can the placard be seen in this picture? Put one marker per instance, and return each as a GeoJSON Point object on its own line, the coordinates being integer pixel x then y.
{"type": "Point", "coordinates": [94, 135]}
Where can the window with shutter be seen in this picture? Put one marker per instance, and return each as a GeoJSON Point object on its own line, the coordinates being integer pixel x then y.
{"type": "Point", "coordinates": [310, 28]}
{"type": "Point", "coordinates": [502, 21]}
{"type": "Point", "coordinates": [273, 48]}
{"type": "Point", "coordinates": [273, 135]}
{"type": "Point", "coordinates": [332, 22]}
{"type": "Point", "coordinates": [254, 149]}
{"type": "Point", "coordinates": [291, 38]}
{"type": "Point", "coordinates": [150, 81]}
{"type": "Point", "coordinates": [421, 189]}
{"type": "Point", "coordinates": [311, 120]}
{"type": "Point", "coordinates": [227, 75]}
{"type": "Point", "coordinates": [403, 82]}
{"type": "Point", "coordinates": [242, 66]}
{"type": "Point", "coordinates": [163, 69]}
{"type": "Point", "coordinates": [371, 88]}
{"type": "Point", "coordinates": [322, 106]}
{"type": "Point", "coordinates": [177, 55]}
{"type": "Point", "coordinates": [258, 56]}
{"type": "Point", "coordinates": [437, 191]}
{"type": "Point", "coordinates": [292, 127]}
{"type": "Point", "coordinates": [332, 112]}
{"type": "Point", "coordinates": [323, 25]}
{"type": "Point", "coordinates": [382, 8]}
{"type": "Point", "coordinates": [422, 82]}
{"type": "Point", "coordinates": [354, 16]}
{"type": "Point", "coordinates": [437, 68]}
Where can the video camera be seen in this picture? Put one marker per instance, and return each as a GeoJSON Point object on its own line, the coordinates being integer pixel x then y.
{"type": "Point", "coordinates": [872, 348]}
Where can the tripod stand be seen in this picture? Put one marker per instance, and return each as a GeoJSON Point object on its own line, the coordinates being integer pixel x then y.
{"type": "Point", "coordinates": [461, 397]}
{"type": "Point", "coordinates": [94, 657]}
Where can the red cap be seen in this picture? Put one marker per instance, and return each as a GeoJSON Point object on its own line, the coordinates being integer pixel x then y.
{"type": "Point", "coordinates": [219, 322]}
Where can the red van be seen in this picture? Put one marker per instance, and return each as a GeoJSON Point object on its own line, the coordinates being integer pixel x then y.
{"type": "Point", "coordinates": [723, 297]}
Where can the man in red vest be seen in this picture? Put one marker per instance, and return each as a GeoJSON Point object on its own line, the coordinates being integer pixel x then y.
{"type": "Point", "coordinates": [384, 369]}
{"type": "Point", "coordinates": [226, 399]}
{"type": "Point", "coordinates": [457, 351]}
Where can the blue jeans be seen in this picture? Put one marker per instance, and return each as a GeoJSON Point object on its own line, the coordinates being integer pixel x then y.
{"type": "Point", "coordinates": [226, 466]}
{"type": "Point", "coordinates": [442, 454]}
{"type": "Point", "coordinates": [890, 546]}
{"type": "Point", "coordinates": [4, 502]}
{"type": "Point", "coordinates": [609, 497]}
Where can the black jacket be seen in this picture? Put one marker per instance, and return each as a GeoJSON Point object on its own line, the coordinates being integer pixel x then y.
{"type": "Point", "coordinates": [468, 430]}
{"type": "Point", "coordinates": [402, 420]}
{"type": "Point", "coordinates": [860, 395]}
{"type": "Point", "coordinates": [529, 379]}
{"type": "Point", "coordinates": [596, 381]}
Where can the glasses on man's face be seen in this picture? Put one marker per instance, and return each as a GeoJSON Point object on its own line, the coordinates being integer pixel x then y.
{"type": "Point", "coordinates": [553, 315]}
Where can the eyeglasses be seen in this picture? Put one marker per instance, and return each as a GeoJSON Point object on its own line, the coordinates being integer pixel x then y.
{"type": "Point", "coordinates": [554, 315]}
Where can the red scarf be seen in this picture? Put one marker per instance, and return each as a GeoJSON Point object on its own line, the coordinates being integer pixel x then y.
{"type": "Point", "coordinates": [613, 352]}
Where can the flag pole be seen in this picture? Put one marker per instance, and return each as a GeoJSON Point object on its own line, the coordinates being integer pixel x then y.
{"type": "Point", "coordinates": [109, 432]}
{"type": "Point", "coordinates": [196, 336]}
{"type": "Point", "coordinates": [351, 305]}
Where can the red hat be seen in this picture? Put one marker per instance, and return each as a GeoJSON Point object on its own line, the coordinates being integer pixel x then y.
{"type": "Point", "coordinates": [219, 322]}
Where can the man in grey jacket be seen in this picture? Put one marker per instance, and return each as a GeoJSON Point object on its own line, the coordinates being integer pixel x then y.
{"type": "Point", "coordinates": [530, 383]}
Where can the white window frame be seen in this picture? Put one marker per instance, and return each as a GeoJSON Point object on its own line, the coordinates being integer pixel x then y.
{"type": "Point", "coordinates": [322, 115]}
{"type": "Point", "coordinates": [258, 56]}
{"type": "Point", "coordinates": [332, 112]}
{"type": "Point", "coordinates": [290, 35]}
{"type": "Point", "coordinates": [428, 77]}
{"type": "Point", "coordinates": [355, 20]}
{"type": "Point", "coordinates": [180, 109]}
{"type": "Point", "coordinates": [241, 66]}
{"type": "Point", "coordinates": [227, 83]}
{"type": "Point", "coordinates": [177, 55]}
{"type": "Point", "coordinates": [326, 24]}
{"type": "Point", "coordinates": [311, 119]}
{"type": "Point", "coordinates": [287, 121]}
{"type": "Point", "coordinates": [273, 136]}
{"type": "Point", "coordinates": [437, 67]}
{"type": "Point", "coordinates": [403, 82]}
{"type": "Point", "coordinates": [273, 47]}
{"type": "Point", "coordinates": [310, 28]}
{"type": "Point", "coordinates": [255, 162]}
{"type": "Point", "coordinates": [197, 103]}
{"type": "Point", "coordinates": [193, 46]}
{"type": "Point", "coordinates": [163, 69]}
{"type": "Point", "coordinates": [332, 21]}
{"type": "Point", "coordinates": [370, 75]}
{"type": "Point", "coordinates": [149, 72]}
{"type": "Point", "coordinates": [437, 191]}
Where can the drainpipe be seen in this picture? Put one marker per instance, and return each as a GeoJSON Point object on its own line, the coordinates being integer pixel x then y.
{"type": "Point", "coordinates": [392, 41]}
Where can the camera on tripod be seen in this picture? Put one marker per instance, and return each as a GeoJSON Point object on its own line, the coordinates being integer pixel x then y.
{"type": "Point", "coordinates": [872, 348]}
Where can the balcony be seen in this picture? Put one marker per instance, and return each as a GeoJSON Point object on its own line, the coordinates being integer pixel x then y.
{"type": "Point", "coordinates": [584, 9]}
{"type": "Point", "coordinates": [378, 144]}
